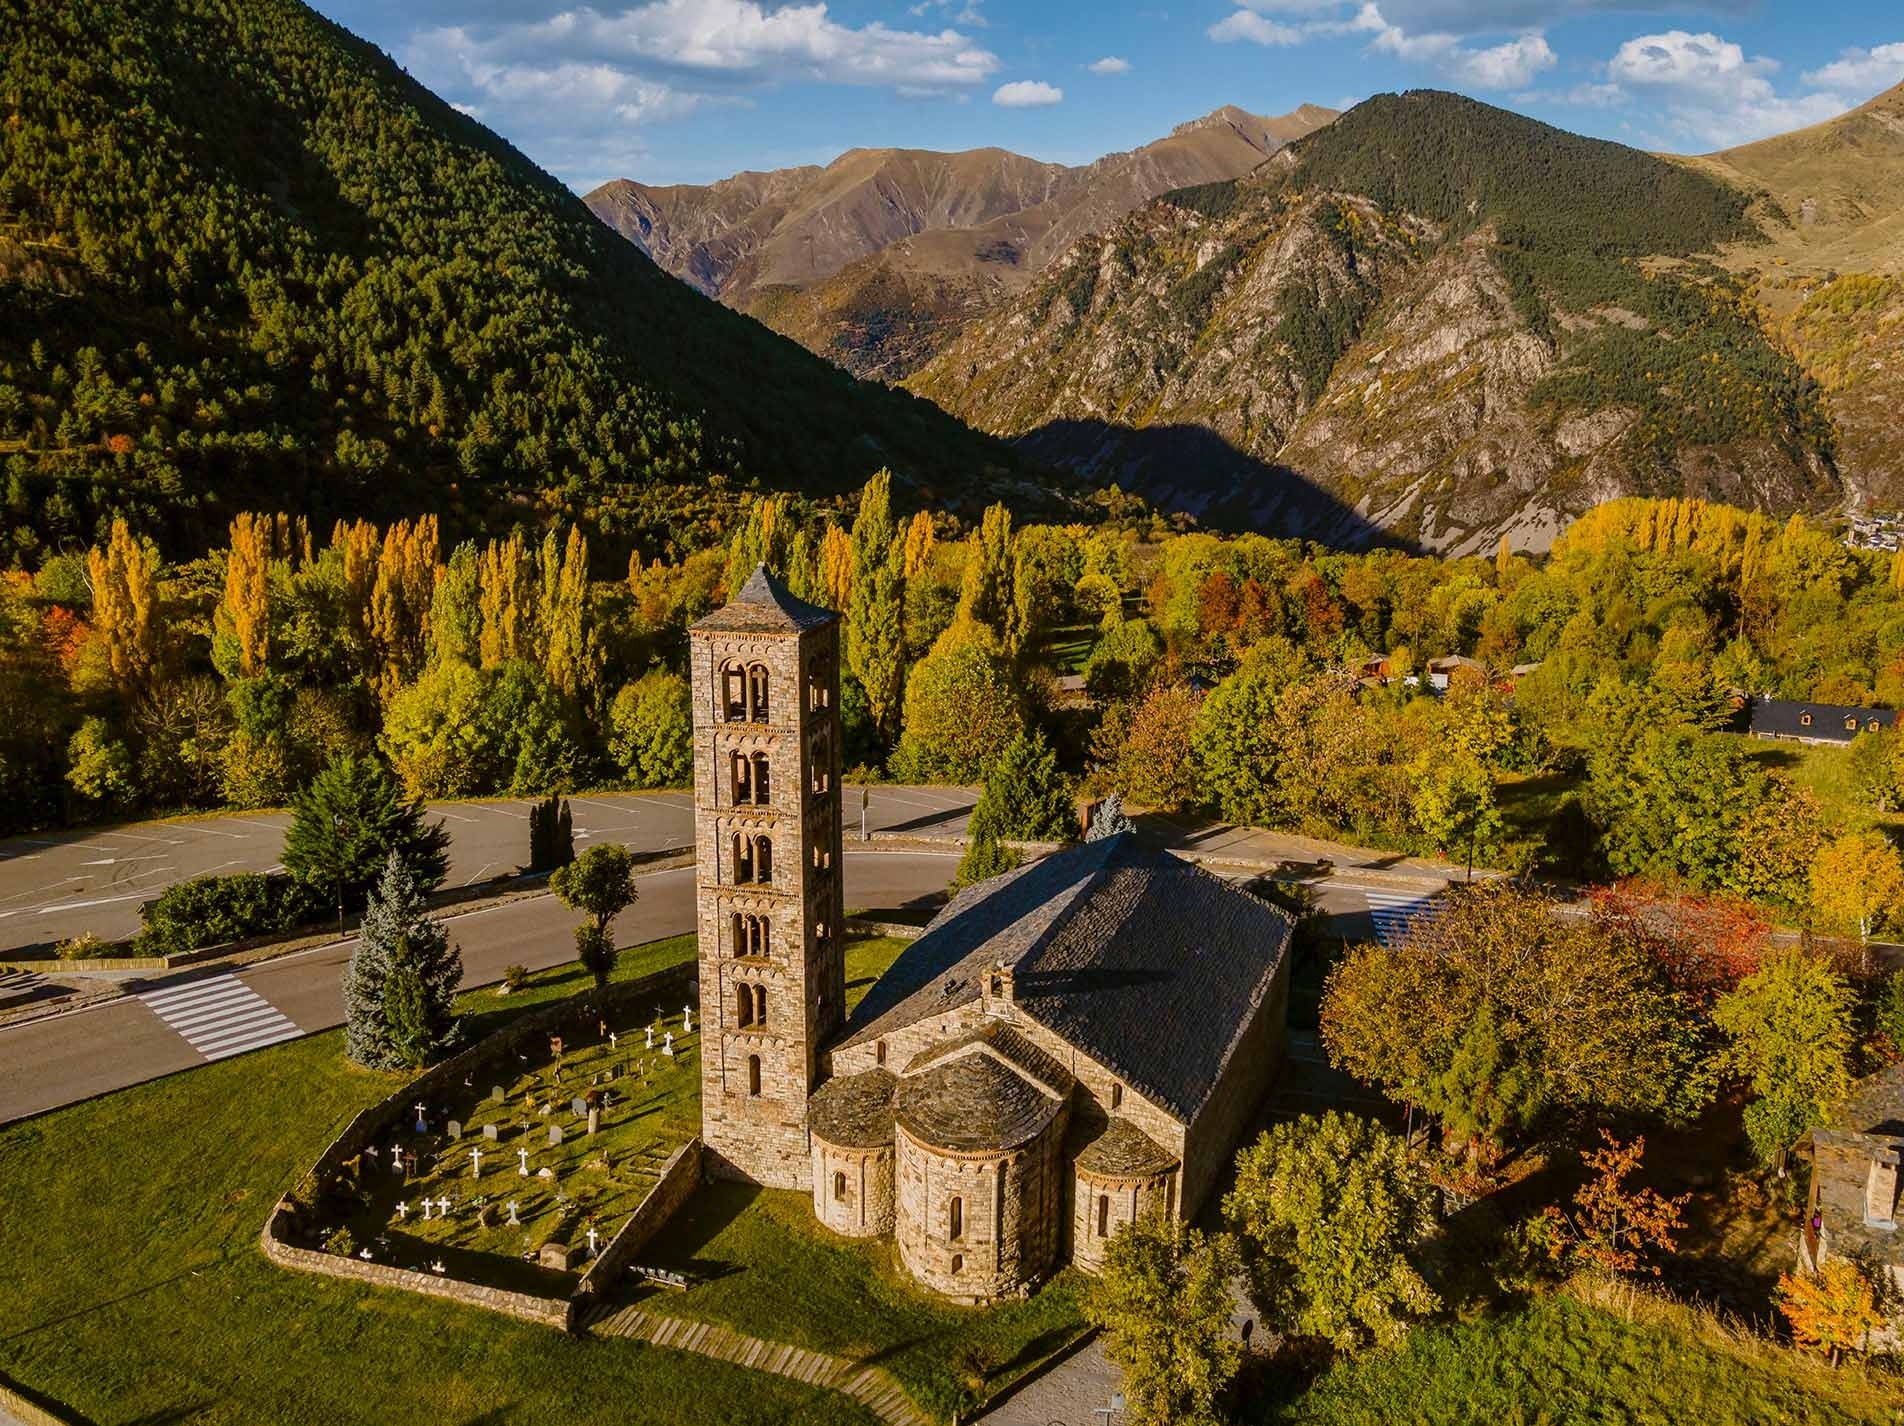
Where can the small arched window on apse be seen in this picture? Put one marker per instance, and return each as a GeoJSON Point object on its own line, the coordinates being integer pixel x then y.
{"type": "Point", "coordinates": [958, 1265]}
{"type": "Point", "coordinates": [879, 1052]}
{"type": "Point", "coordinates": [1104, 1215]}
{"type": "Point", "coordinates": [839, 1187]}
{"type": "Point", "coordinates": [753, 1076]}
{"type": "Point", "coordinates": [733, 693]}
{"type": "Point", "coordinates": [955, 1220]}
{"type": "Point", "coordinates": [1117, 1095]}
{"type": "Point", "coordinates": [763, 792]}
{"type": "Point", "coordinates": [757, 692]}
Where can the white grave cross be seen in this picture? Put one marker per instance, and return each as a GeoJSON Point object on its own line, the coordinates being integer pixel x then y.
{"type": "Point", "coordinates": [443, 1207]}
{"type": "Point", "coordinates": [475, 1163]}
{"type": "Point", "coordinates": [592, 1236]}
{"type": "Point", "coordinates": [522, 1162]}
{"type": "Point", "coordinates": [514, 1222]}
{"type": "Point", "coordinates": [667, 1044]}
{"type": "Point", "coordinates": [403, 1212]}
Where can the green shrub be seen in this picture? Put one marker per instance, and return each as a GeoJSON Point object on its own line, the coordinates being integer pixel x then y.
{"type": "Point", "coordinates": [210, 910]}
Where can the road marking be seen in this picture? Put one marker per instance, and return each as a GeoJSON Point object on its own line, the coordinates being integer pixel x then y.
{"type": "Point", "coordinates": [1393, 912]}
{"type": "Point", "coordinates": [101, 901]}
{"type": "Point", "coordinates": [220, 1017]}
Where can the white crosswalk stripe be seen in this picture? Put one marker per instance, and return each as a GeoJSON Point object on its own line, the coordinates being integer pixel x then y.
{"type": "Point", "coordinates": [221, 1017]}
{"type": "Point", "coordinates": [1393, 912]}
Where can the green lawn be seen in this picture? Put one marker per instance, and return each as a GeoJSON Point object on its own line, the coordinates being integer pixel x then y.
{"type": "Point", "coordinates": [1069, 646]}
{"type": "Point", "coordinates": [132, 1287]}
{"type": "Point", "coordinates": [765, 1267]}
{"type": "Point", "coordinates": [1562, 1360]}
{"type": "Point", "coordinates": [1826, 771]}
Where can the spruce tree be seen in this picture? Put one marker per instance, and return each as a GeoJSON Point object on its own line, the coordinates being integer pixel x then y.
{"type": "Point", "coordinates": [347, 821]}
{"type": "Point", "coordinates": [1109, 820]}
{"type": "Point", "coordinates": [401, 982]}
{"type": "Point", "coordinates": [1026, 797]}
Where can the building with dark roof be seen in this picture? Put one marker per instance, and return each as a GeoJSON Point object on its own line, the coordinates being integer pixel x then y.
{"type": "Point", "coordinates": [1812, 722]}
{"type": "Point", "coordinates": [1064, 1049]}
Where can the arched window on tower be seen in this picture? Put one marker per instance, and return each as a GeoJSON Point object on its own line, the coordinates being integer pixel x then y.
{"type": "Point", "coordinates": [743, 770]}
{"type": "Point", "coordinates": [743, 859]}
{"type": "Point", "coordinates": [757, 692]}
{"type": "Point", "coordinates": [733, 693]}
{"type": "Point", "coordinates": [762, 791]}
{"type": "Point", "coordinates": [760, 1007]}
{"type": "Point", "coordinates": [763, 859]}
{"type": "Point", "coordinates": [750, 935]}
{"type": "Point", "coordinates": [819, 682]}
{"type": "Point", "coordinates": [1104, 1215]}
{"type": "Point", "coordinates": [743, 1006]}
{"type": "Point", "coordinates": [753, 1076]}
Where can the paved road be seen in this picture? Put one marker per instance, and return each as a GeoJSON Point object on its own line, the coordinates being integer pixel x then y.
{"type": "Point", "coordinates": [52, 887]}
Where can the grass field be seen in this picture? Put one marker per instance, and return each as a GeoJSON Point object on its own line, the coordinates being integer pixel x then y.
{"type": "Point", "coordinates": [767, 1269]}
{"type": "Point", "coordinates": [1629, 1360]}
{"type": "Point", "coordinates": [133, 1290]}
{"type": "Point", "coordinates": [1826, 771]}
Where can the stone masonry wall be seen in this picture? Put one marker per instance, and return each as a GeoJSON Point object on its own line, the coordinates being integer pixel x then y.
{"type": "Point", "coordinates": [1210, 1143]}
{"type": "Point", "coordinates": [1127, 1200]}
{"type": "Point", "coordinates": [865, 1209]}
{"type": "Point", "coordinates": [680, 1176]}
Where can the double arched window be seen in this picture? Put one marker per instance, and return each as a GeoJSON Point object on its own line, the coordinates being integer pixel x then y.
{"type": "Point", "coordinates": [750, 1006]}
{"type": "Point", "coordinates": [819, 682]}
{"type": "Point", "coordinates": [751, 937]}
{"type": "Point", "coordinates": [753, 858]}
{"type": "Point", "coordinates": [744, 692]}
{"type": "Point", "coordinates": [752, 783]}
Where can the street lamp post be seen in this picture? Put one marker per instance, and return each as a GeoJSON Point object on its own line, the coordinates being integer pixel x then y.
{"type": "Point", "coordinates": [337, 826]}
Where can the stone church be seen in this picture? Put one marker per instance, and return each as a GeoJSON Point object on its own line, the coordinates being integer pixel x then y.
{"type": "Point", "coordinates": [1065, 1047]}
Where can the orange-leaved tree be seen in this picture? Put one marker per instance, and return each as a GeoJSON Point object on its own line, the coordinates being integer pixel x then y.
{"type": "Point", "coordinates": [1834, 1309]}
{"type": "Point", "coordinates": [1613, 1228]}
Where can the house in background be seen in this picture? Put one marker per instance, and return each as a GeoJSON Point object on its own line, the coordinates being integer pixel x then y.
{"type": "Point", "coordinates": [1816, 723]}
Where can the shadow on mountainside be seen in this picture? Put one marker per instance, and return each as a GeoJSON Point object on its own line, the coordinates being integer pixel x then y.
{"type": "Point", "coordinates": [1194, 469]}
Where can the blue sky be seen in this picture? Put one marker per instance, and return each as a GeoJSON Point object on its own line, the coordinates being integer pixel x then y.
{"type": "Point", "coordinates": [687, 91]}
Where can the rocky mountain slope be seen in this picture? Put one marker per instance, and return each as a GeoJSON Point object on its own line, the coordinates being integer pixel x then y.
{"type": "Point", "coordinates": [874, 260]}
{"type": "Point", "coordinates": [1431, 319]}
{"type": "Point", "coordinates": [248, 263]}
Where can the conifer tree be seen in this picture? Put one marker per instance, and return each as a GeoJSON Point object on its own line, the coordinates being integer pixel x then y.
{"type": "Point", "coordinates": [1026, 797]}
{"type": "Point", "coordinates": [400, 985]}
{"type": "Point", "coordinates": [344, 825]}
{"type": "Point", "coordinates": [1109, 820]}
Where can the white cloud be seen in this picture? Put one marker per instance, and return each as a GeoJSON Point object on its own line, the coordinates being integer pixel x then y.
{"type": "Point", "coordinates": [1027, 94]}
{"type": "Point", "coordinates": [1860, 73]}
{"type": "Point", "coordinates": [967, 13]}
{"type": "Point", "coordinates": [1248, 25]}
{"type": "Point", "coordinates": [1110, 64]}
{"type": "Point", "coordinates": [1707, 90]}
{"type": "Point", "coordinates": [1472, 17]}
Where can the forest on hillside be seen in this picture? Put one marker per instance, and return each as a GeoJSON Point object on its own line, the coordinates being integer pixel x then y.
{"type": "Point", "coordinates": [246, 262]}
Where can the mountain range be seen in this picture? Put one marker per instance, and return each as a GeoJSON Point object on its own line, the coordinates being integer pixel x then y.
{"type": "Point", "coordinates": [875, 258]}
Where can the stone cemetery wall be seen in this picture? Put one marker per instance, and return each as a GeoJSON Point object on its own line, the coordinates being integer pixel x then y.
{"type": "Point", "coordinates": [548, 1311]}
{"type": "Point", "coordinates": [373, 1123]}
{"type": "Point", "coordinates": [680, 1176]}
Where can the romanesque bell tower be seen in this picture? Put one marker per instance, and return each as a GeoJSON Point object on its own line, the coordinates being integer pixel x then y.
{"type": "Point", "coordinates": [767, 873]}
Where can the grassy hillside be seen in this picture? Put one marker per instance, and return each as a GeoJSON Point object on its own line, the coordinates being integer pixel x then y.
{"type": "Point", "coordinates": [242, 255]}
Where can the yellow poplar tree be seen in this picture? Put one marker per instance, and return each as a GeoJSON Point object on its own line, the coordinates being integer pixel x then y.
{"type": "Point", "coordinates": [836, 567]}
{"type": "Point", "coordinates": [504, 578]}
{"type": "Point", "coordinates": [125, 580]}
{"type": "Point", "coordinates": [919, 542]}
{"type": "Point", "coordinates": [246, 611]}
{"type": "Point", "coordinates": [400, 601]}
{"type": "Point", "coordinates": [565, 613]}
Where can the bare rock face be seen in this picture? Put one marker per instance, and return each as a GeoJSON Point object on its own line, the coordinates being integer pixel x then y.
{"type": "Point", "coordinates": [879, 258]}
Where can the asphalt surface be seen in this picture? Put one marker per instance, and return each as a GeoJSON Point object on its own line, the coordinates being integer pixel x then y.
{"type": "Point", "coordinates": [56, 886]}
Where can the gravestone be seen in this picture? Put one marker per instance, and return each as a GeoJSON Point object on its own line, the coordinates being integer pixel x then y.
{"type": "Point", "coordinates": [578, 1107]}
{"type": "Point", "coordinates": [556, 1255]}
{"type": "Point", "coordinates": [498, 1094]}
{"type": "Point", "coordinates": [456, 1128]}
{"type": "Point", "coordinates": [555, 1135]}
{"type": "Point", "coordinates": [490, 1132]}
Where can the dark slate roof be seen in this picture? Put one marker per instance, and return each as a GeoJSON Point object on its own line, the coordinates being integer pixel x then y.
{"type": "Point", "coordinates": [1782, 718]}
{"type": "Point", "coordinates": [1149, 965]}
{"type": "Point", "coordinates": [854, 1112]}
{"type": "Point", "coordinates": [1868, 1124]}
{"type": "Point", "coordinates": [765, 606]}
{"type": "Point", "coordinates": [1876, 1105]}
{"type": "Point", "coordinates": [998, 1038]}
{"type": "Point", "coordinates": [1117, 1148]}
{"type": "Point", "coordinates": [972, 1103]}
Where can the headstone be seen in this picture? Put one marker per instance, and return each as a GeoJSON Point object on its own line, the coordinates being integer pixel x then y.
{"type": "Point", "coordinates": [514, 1209]}
{"type": "Point", "coordinates": [650, 1031]}
{"type": "Point", "coordinates": [403, 1212]}
{"type": "Point", "coordinates": [498, 1094]}
{"type": "Point", "coordinates": [578, 1107]}
{"type": "Point", "coordinates": [442, 1208]}
{"type": "Point", "coordinates": [601, 1028]}
{"type": "Point", "coordinates": [522, 1162]}
{"type": "Point", "coordinates": [667, 1044]}
{"type": "Point", "coordinates": [555, 1047]}
{"type": "Point", "coordinates": [556, 1255]}
{"type": "Point", "coordinates": [438, 1268]}
{"type": "Point", "coordinates": [593, 1238]}
{"type": "Point", "coordinates": [475, 1163]}
{"type": "Point", "coordinates": [491, 1133]}
{"type": "Point", "coordinates": [422, 1124]}
{"type": "Point", "coordinates": [594, 1120]}
{"type": "Point", "coordinates": [555, 1135]}
{"type": "Point", "coordinates": [456, 1128]}
{"type": "Point", "coordinates": [409, 1163]}
{"type": "Point", "coordinates": [426, 1209]}
{"type": "Point", "coordinates": [396, 1158]}
{"type": "Point", "coordinates": [614, 1040]}
{"type": "Point", "coordinates": [546, 1172]}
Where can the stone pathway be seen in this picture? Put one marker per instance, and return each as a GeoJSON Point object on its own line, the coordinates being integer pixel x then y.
{"type": "Point", "coordinates": [872, 1387]}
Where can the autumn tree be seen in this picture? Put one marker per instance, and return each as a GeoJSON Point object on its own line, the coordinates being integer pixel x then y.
{"type": "Point", "coordinates": [962, 710]}
{"type": "Point", "coordinates": [562, 621]}
{"type": "Point", "coordinates": [651, 730]}
{"type": "Point", "coordinates": [1454, 804]}
{"type": "Point", "coordinates": [400, 601]}
{"type": "Point", "coordinates": [1790, 1035]}
{"type": "Point", "coordinates": [125, 587]}
{"type": "Point", "coordinates": [1500, 1002]}
{"type": "Point", "coordinates": [245, 614]}
{"type": "Point", "coordinates": [1162, 1300]}
{"type": "Point", "coordinates": [985, 595]}
{"type": "Point", "coordinates": [506, 601]}
{"type": "Point", "coordinates": [1857, 884]}
{"type": "Point", "coordinates": [919, 542]}
{"type": "Point", "coordinates": [1238, 754]}
{"type": "Point", "coordinates": [876, 609]}
{"type": "Point", "coordinates": [1155, 758]}
{"type": "Point", "coordinates": [1615, 1228]}
{"type": "Point", "coordinates": [456, 615]}
{"type": "Point", "coordinates": [1330, 1212]}
{"type": "Point", "coordinates": [1834, 1310]}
